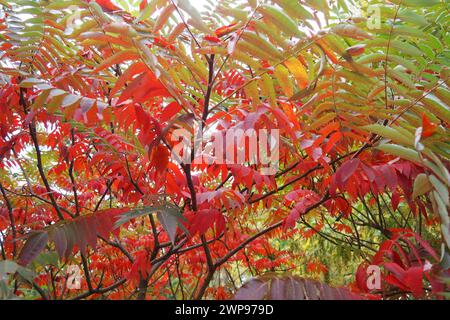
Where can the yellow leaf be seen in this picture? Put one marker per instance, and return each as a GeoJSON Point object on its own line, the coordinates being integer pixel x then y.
{"type": "Point", "coordinates": [268, 89]}
{"type": "Point", "coordinates": [253, 50]}
{"type": "Point", "coordinates": [260, 42]}
{"type": "Point", "coordinates": [251, 92]}
{"type": "Point", "coordinates": [282, 75]}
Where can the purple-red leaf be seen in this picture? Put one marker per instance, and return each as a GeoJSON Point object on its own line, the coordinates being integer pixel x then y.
{"type": "Point", "coordinates": [272, 287]}
{"type": "Point", "coordinates": [35, 243]}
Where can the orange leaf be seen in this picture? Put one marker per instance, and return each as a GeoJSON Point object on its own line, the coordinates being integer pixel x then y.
{"type": "Point", "coordinates": [117, 58]}
{"type": "Point", "coordinates": [298, 71]}
{"type": "Point", "coordinates": [108, 5]}
{"type": "Point", "coordinates": [133, 70]}
{"type": "Point", "coordinates": [224, 30]}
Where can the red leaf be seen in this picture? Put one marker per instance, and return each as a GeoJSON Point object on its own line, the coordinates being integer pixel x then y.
{"type": "Point", "coordinates": [390, 176]}
{"type": "Point", "coordinates": [335, 137]}
{"type": "Point", "coordinates": [169, 111]}
{"type": "Point", "coordinates": [395, 200]}
{"type": "Point", "coordinates": [356, 50]}
{"type": "Point", "coordinates": [361, 277]}
{"type": "Point", "coordinates": [426, 246]}
{"type": "Point", "coordinates": [59, 238]}
{"type": "Point", "coordinates": [163, 43]}
{"type": "Point", "coordinates": [202, 220]}
{"type": "Point", "coordinates": [159, 158]}
{"type": "Point", "coordinates": [143, 4]}
{"type": "Point", "coordinates": [345, 172]}
{"type": "Point", "coordinates": [413, 278]}
{"type": "Point", "coordinates": [303, 200]}
{"type": "Point", "coordinates": [134, 69]}
{"type": "Point", "coordinates": [211, 39]}
{"type": "Point", "coordinates": [141, 267]}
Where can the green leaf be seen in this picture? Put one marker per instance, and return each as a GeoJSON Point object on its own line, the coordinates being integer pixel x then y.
{"type": "Point", "coordinates": [388, 133]}
{"type": "Point", "coordinates": [281, 20]}
{"type": "Point", "coordinates": [442, 209]}
{"type": "Point", "coordinates": [441, 111]}
{"type": "Point", "coordinates": [46, 258]}
{"type": "Point", "coordinates": [440, 188]}
{"type": "Point", "coordinates": [136, 213]}
{"type": "Point", "coordinates": [294, 9]}
{"type": "Point", "coordinates": [446, 234]}
{"type": "Point", "coordinates": [7, 267]}
{"type": "Point", "coordinates": [253, 50]}
{"type": "Point", "coordinates": [57, 5]}
{"type": "Point", "coordinates": [263, 44]}
{"type": "Point", "coordinates": [170, 224]}
{"type": "Point", "coordinates": [408, 31]}
{"type": "Point", "coordinates": [400, 151]}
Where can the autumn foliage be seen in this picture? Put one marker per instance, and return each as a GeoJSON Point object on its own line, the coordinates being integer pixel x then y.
{"type": "Point", "coordinates": [92, 94]}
